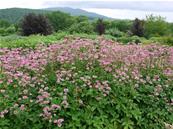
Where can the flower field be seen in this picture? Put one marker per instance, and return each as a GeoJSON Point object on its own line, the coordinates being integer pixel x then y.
{"type": "Point", "coordinates": [86, 84]}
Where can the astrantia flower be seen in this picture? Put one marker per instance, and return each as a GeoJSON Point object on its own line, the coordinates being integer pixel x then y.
{"type": "Point", "coordinates": [22, 107]}
{"type": "Point", "coordinates": [58, 122]}
{"type": "Point", "coordinates": [55, 106]}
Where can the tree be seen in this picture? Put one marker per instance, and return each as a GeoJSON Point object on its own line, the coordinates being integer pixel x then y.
{"type": "Point", "coordinates": [121, 25]}
{"type": "Point", "coordinates": [156, 26]}
{"type": "Point", "coordinates": [137, 28]}
{"type": "Point", "coordinates": [100, 27]}
{"type": "Point", "coordinates": [171, 28]}
{"type": "Point", "coordinates": [60, 20]}
{"type": "Point", "coordinates": [79, 19]}
{"type": "Point", "coordinates": [114, 32]}
{"type": "Point", "coordinates": [36, 24]}
{"type": "Point", "coordinates": [82, 27]}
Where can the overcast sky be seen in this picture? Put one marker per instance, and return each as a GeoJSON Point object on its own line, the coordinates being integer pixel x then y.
{"type": "Point", "coordinates": [124, 9]}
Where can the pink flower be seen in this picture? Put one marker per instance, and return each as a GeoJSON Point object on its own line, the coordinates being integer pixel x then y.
{"type": "Point", "coordinates": [22, 107]}
{"type": "Point", "coordinates": [58, 122]}
{"type": "Point", "coordinates": [55, 106]}
{"type": "Point", "coordinates": [55, 121]}
{"type": "Point", "coordinates": [66, 90]}
{"type": "Point", "coordinates": [168, 72]}
{"type": "Point", "coordinates": [25, 97]}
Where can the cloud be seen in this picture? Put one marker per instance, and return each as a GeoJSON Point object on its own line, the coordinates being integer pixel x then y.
{"type": "Point", "coordinates": [144, 5]}
{"type": "Point", "coordinates": [22, 3]}
{"type": "Point", "coordinates": [113, 8]}
{"type": "Point", "coordinates": [130, 14]}
{"type": "Point", "coordinates": [131, 5]}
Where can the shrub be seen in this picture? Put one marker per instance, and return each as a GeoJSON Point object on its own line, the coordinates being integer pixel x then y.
{"type": "Point", "coordinates": [137, 27]}
{"type": "Point", "coordinates": [122, 25]}
{"type": "Point", "coordinates": [7, 31]}
{"type": "Point", "coordinates": [133, 39]}
{"type": "Point", "coordinates": [163, 40]}
{"type": "Point", "coordinates": [100, 27]}
{"type": "Point", "coordinates": [114, 32]}
{"type": "Point", "coordinates": [156, 26]}
{"type": "Point", "coordinates": [11, 29]}
{"type": "Point", "coordinates": [82, 27]}
{"type": "Point", "coordinates": [4, 24]}
{"type": "Point", "coordinates": [2, 32]}
{"type": "Point", "coordinates": [35, 24]}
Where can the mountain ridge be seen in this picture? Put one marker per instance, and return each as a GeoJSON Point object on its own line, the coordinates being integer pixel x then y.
{"type": "Point", "coordinates": [14, 15]}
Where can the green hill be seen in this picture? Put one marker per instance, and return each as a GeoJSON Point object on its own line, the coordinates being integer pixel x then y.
{"type": "Point", "coordinates": [14, 15]}
{"type": "Point", "coordinates": [78, 12]}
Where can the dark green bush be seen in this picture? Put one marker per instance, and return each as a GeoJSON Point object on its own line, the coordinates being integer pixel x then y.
{"type": "Point", "coordinates": [138, 27]}
{"type": "Point", "coordinates": [100, 27]}
{"type": "Point", "coordinates": [35, 24]}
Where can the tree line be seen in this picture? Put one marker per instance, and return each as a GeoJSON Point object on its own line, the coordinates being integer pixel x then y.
{"type": "Point", "coordinates": [45, 24]}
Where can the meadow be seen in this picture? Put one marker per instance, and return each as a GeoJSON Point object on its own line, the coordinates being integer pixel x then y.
{"type": "Point", "coordinates": [86, 83]}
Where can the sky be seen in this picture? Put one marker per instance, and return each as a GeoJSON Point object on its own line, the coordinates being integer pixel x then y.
{"type": "Point", "coordinates": [124, 9]}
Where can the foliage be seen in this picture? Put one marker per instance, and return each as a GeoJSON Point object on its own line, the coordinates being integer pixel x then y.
{"type": "Point", "coordinates": [6, 28]}
{"type": "Point", "coordinates": [60, 20]}
{"type": "Point", "coordinates": [81, 19]}
{"type": "Point", "coordinates": [163, 40]}
{"type": "Point", "coordinates": [82, 27]}
{"type": "Point", "coordinates": [35, 24]}
{"type": "Point", "coordinates": [7, 31]}
{"type": "Point", "coordinates": [156, 26]}
{"type": "Point", "coordinates": [114, 32]}
{"type": "Point", "coordinates": [32, 41]}
{"type": "Point", "coordinates": [137, 28]}
{"type": "Point", "coordinates": [4, 24]}
{"type": "Point", "coordinates": [14, 41]}
{"type": "Point", "coordinates": [122, 25]}
{"type": "Point", "coordinates": [87, 84]}
{"type": "Point", "coordinates": [100, 27]}
{"type": "Point", "coordinates": [171, 28]}
{"type": "Point", "coordinates": [131, 39]}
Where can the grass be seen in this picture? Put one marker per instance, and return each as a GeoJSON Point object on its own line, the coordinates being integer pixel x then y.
{"type": "Point", "coordinates": [15, 41]}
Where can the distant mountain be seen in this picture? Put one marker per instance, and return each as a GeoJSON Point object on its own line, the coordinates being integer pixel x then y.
{"type": "Point", "coordinates": [14, 15]}
{"type": "Point", "coordinates": [77, 12]}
